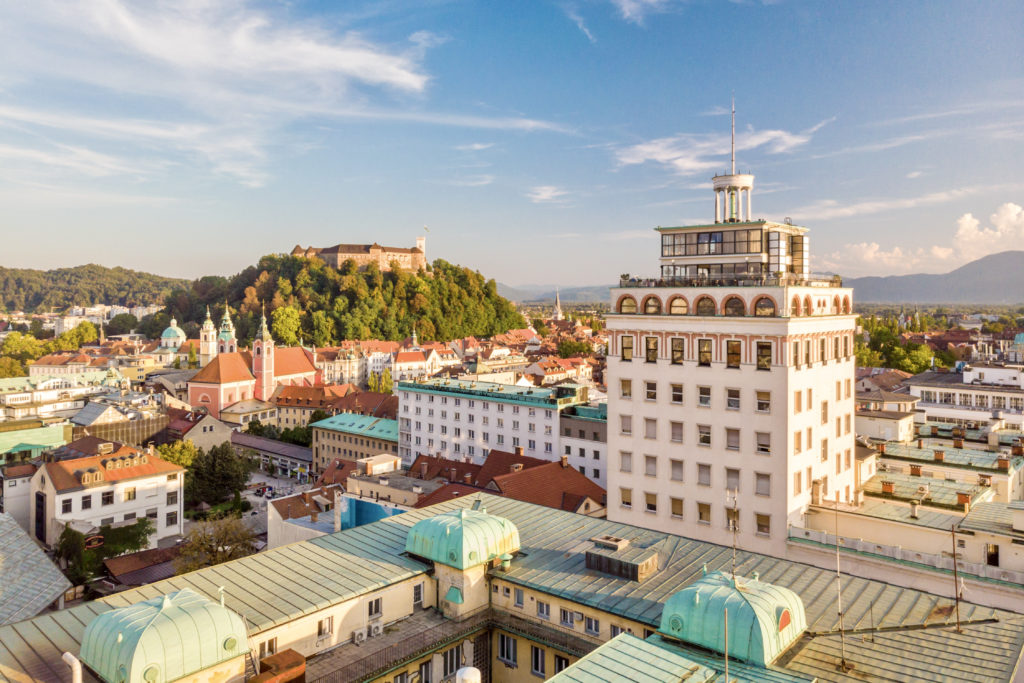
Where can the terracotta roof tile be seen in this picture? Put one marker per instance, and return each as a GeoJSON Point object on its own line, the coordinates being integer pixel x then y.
{"type": "Point", "coordinates": [552, 485]}
{"type": "Point", "coordinates": [447, 492]}
{"type": "Point", "coordinates": [337, 472]}
{"type": "Point", "coordinates": [63, 474]}
{"type": "Point", "coordinates": [224, 368]}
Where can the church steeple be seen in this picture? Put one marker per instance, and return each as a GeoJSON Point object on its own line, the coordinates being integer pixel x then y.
{"type": "Point", "coordinates": [226, 341]}
{"type": "Point", "coordinates": [264, 332]}
{"type": "Point", "coordinates": [207, 340]}
{"type": "Point", "coordinates": [558, 306]}
{"type": "Point", "coordinates": [263, 361]}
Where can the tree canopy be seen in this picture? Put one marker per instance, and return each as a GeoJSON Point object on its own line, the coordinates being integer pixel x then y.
{"type": "Point", "coordinates": [213, 542]}
{"type": "Point", "coordinates": [215, 475]}
{"type": "Point", "coordinates": [25, 289]}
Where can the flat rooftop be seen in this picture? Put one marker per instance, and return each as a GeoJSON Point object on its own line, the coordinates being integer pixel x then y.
{"type": "Point", "coordinates": [361, 425]}
{"type": "Point", "coordinates": [966, 458]}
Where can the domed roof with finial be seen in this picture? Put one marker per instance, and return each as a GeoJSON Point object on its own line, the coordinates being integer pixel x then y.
{"type": "Point", "coordinates": [764, 619]}
{"type": "Point", "coordinates": [163, 639]}
{"type": "Point", "coordinates": [173, 333]}
{"type": "Point", "coordinates": [462, 538]}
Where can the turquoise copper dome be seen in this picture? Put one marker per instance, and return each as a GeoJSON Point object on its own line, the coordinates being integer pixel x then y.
{"type": "Point", "coordinates": [162, 639]}
{"type": "Point", "coordinates": [764, 619]}
{"type": "Point", "coordinates": [462, 538]}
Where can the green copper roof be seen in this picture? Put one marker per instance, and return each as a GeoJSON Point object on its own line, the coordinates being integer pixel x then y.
{"type": "Point", "coordinates": [462, 538]}
{"type": "Point", "coordinates": [361, 425]}
{"type": "Point", "coordinates": [173, 331]}
{"type": "Point", "coordinates": [454, 595]}
{"type": "Point", "coordinates": [162, 639]}
{"type": "Point", "coordinates": [764, 619]}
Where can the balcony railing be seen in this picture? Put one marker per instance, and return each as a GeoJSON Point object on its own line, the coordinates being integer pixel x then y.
{"type": "Point", "coordinates": [786, 280]}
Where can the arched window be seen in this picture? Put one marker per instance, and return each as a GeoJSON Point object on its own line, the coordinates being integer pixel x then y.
{"type": "Point", "coordinates": [808, 308]}
{"type": "Point", "coordinates": [258, 349]}
{"type": "Point", "coordinates": [652, 305]}
{"type": "Point", "coordinates": [627, 305]}
{"type": "Point", "coordinates": [795, 306]}
{"type": "Point", "coordinates": [846, 305]}
{"type": "Point", "coordinates": [678, 306]}
{"type": "Point", "coordinates": [735, 307]}
{"type": "Point", "coordinates": [706, 306]}
{"type": "Point", "coordinates": [835, 305]}
{"type": "Point", "coordinates": [764, 307]}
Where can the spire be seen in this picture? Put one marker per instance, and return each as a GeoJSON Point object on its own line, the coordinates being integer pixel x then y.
{"type": "Point", "coordinates": [208, 318]}
{"type": "Point", "coordinates": [558, 306]}
{"type": "Point", "coordinates": [415, 341]}
{"type": "Point", "coordinates": [733, 134]}
{"type": "Point", "coordinates": [263, 333]}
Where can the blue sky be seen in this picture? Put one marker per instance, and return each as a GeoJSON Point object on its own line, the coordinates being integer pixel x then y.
{"type": "Point", "coordinates": [540, 141]}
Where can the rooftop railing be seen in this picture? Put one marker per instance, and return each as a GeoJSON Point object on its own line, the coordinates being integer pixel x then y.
{"type": "Point", "coordinates": [785, 280]}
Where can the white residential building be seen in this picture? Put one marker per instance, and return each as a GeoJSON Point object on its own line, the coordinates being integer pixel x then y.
{"type": "Point", "coordinates": [983, 394]}
{"type": "Point", "coordinates": [583, 438]}
{"type": "Point", "coordinates": [730, 382]}
{"type": "Point", "coordinates": [114, 487]}
{"type": "Point", "coordinates": [463, 419]}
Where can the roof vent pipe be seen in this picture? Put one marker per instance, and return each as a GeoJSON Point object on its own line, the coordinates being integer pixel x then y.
{"type": "Point", "coordinates": [76, 666]}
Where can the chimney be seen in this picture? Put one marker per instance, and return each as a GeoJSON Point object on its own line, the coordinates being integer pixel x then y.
{"type": "Point", "coordinates": [1017, 449]}
{"type": "Point", "coordinates": [920, 443]}
{"type": "Point", "coordinates": [940, 455]}
{"type": "Point", "coordinates": [888, 487]}
{"type": "Point", "coordinates": [423, 470]}
{"type": "Point", "coordinates": [958, 443]}
{"type": "Point", "coordinates": [337, 510]}
{"type": "Point", "coordinates": [915, 470]}
{"type": "Point", "coordinates": [964, 499]}
{"type": "Point", "coordinates": [913, 509]}
{"type": "Point", "coordinates": [519, 450]}
{"type": "Point", "coordinates": [565, 461]}
{"type": "Point", "coordinates": [1003, 463]}
{"type": "Point", "coordinates": [881, 448]}
{"type": "Point", "coordinates": [452, 474]}
{"type": "Point", "coordinates": [313, 515]}
{"type": "Point", "coordinates": [468, 478]}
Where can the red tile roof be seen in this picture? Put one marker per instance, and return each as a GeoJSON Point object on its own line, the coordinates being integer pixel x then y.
{"type": "Point", "coordinates": [410, 357]}
{"type": "Point", "coordinates": [302, 505]}
{"type": "Point", "coordinates": [17, 471]}
{"type": "Point", "coordinates": [551, 484]}
{"type": "Point", "coordinates": [337, 472]}
{"type": "Point", "coordinates": [118, 566]}
{"type": "Point", "coordinates": [311, 397]}
{"type": "Point", "coordinates": [65, 473]}
{"type": "Point", "coordinates": [225, 368]}
{"type": "Point", "coordinates": [447, 492]}
{"type": "Point", "coordinates": [370, 403]}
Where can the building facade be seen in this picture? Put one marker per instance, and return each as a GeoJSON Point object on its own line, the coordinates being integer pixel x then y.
{"type": "Point", "coordinates": [352, 437]}
{"type": "Point", "coordinates": [981, 395]}
{"type": "Point", "coordinates": [413, 259]}
{"type": "Point", "coordinates": [730, 381]}
{"type": "Point", "coordinates": [464, 419]}
{"type": "Point", "coordinates": [584, 440]}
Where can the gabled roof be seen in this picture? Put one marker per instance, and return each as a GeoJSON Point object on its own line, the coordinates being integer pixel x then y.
{"type": "Point", "coordinates": [30, 580]}
{"type": "Point", "coordinates": [372, 403]}
{"type": "Point", "coordinates": [410, 357]}
{"type": "Point", "coordinates": [553, 485]}
{"type": "Point", "coordinates": [224, 368]}
{"type": "Point", "coordinates": [66, 474]}
{"type": "Point", "coordinates": [337, 472]}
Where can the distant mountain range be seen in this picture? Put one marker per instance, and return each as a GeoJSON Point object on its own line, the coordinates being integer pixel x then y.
{"type": "Point", "coordinates": [994, 279]}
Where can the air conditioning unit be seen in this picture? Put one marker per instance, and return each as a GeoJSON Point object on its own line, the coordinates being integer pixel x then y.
{"type": "Point", "coordinates": [923, 489]}
{"type": "Point", "coordinates": [376, 628]}
{"type": "Point", "coordinates": [359, 635]}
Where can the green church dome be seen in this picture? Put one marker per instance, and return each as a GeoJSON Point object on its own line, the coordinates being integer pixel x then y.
{"type": "Point", "coordinates": [162, 639]}
{"type": "Point", "coordinates": [173, 331]}
{"type": "Point", "coordinates": [462, 538]}
{"type": "Point", "coordinates": [764, 619]}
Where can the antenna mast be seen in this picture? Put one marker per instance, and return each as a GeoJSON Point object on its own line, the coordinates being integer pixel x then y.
{"type": "Point", "coordinates": [734, 134]}
{"type": "Point", "coordinates": [734, 525]}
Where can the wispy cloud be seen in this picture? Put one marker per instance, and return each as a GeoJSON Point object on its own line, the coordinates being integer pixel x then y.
{"type": "Point", "coordinates": [218, 82]}
{"type": "Point", "coordinates": [830, 208]}
{"type": "Point", "coordinates": [968, 241]}
{"type": "Point", "coordinates": [717, 110]}
{"type": "Point", "coordinates": [689, 154]}
{"type": "Point", "coordinates": [636, 11]}
{"type": "Point", "coordinates": [475, 146]}
{"type": "Point", "coordinates": [472, 181]}
{"type": "Point", "coordinates": [915, 174]}
{"type": "Point", "coordinates": [546, 194]}
{"type": "Point", "coordinates": [574, 15]}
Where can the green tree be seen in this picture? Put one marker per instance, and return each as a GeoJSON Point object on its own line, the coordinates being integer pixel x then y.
{"type": "Point", "coordinates": [215, 541]}
{"type": "Point", "coordinates": [286, 325]}
{"type": "Point", "coordinates": [569, 348]}
{"type": "Point", "coordinates": [21, 347]}
{"type": "Point", "coordinates": [387, 385]}
{"type": "Point", "coordinates": [182, 453]}
{"type": "Point", "coordinates": [216, 474]}
{"type": "Point", "coordinates": [323, 328]}
{"type": "Point", "coordinates": [318, 415]}
{"type": "Point", "coordinates": [82, 564]}
{"type": "Point", "coordinates": [9, 367]}
{"type": "Point", "coordinates": [193, 360]}
{"type": "Point", "coordinates": [372, 383]}
{"type": "Point", "coordinates": [122, 323]}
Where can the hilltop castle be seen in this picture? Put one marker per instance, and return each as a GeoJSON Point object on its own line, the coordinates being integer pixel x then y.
{"type": "Point", "coordinates": [413, 259]}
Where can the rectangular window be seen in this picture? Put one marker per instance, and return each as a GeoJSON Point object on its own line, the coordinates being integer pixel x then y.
{"type": "Point", "coordinates": [796, 482]}
{"type": "Point", "coordinates": [732, 479]}
{"type": "Point", "coordinates": [732, 439]}
{"type": "Point", "coordinates": [325, 627]}
{"type": "Point", "coordinates": [626, 424]}
{"type": "Point", "coordinates": [87, 502]}
{"type": "Point", "coordinates": [626, 342]}
{"type": "Point", "coordinates": [614, 630]}
{"type": "Point", "coordinates": [651, 465]}
{"type": "Point", "coordinates": [543, 610]}
{"type": "Point", "coordinates": [732, 354]}
{"type": "Point", "coordinates": [565, 618]}
{"type": "Point", "coordinates": [677, 393]}
{"type": "Point", "coordinates": [807, 352]}
{"type": "Point", "coordinates": [425, 667]}
{"type": "Point", "coordinates": [592, 626]}
{"type": "Point", "coordinates": [373, 608]}
{"type": "Point", "coordinates": [703, 474]}
{"type": "Point", "coordinates": [839, 426]}
{"type": "Point", "coordinates": [152, 513]}
{"type": "Point", "coordinates": [129, 493]}
{"type": "Point", "coordinates": [764, 355]}
{"type": "Point", "coordinates": [451, 661]}
{"type": "Point", "coordinates": [704, 513]}
{"type": "Point", "coordinates": [704, 397]}
{"type": "Point", "coordinates": [107, 498]}
{"type": "Point", "coordinates": [763, 443]}
{"type": "Point", "coordinates": [798, 397]}
{"type": "Point", "coordinates": [172, 519]}
{"type": "Point", "coordinates": [676, 470]}
{"type": "Point", "coordinates": [268, 647]}
{"type": "Point", "coordinates": [732, 519]}
{"type": "Point", "coordinates": [824, 450]}
{"type": "Point", "coordinates": [517, 597]}
{"type": "Point", "coordinates": [847, 389]}
{"type": "Point", "coordinates": [763, 484]}
{"type": "Point", "coordinates": [703, 435]}
{"type": "Point", "coordinates": [796, 354]}
{"type": "Point", "coordinates": [764, 525]}
{"type": "Point", "coordinates": [537, 660]}
{"type": "Point", "coordinates": [626, 497]}
{"type": "Point", "coordinates": [401, 678]}
{"type": "Point", "coordinates": [651, 349]}
{"type": "Point", "coordinates": [625, 462]}
{"type": "Point", "coordinates": [65, 506]}
{"type": "Point", "coordinates": [650, 428]}
{"type": "Point", "coordinates": [677, 507]}
{"type": "Point", "coordinates": [839, 390]}
{"type": "Point", "coordinates": [824, 412]}
{"type": "Point", "coordinates": [732, 399]}
{"type": "Point", "coordinates": [678, 350]}
{"type": "Point", "coordinates": [417, 594]}
{"type": "Point", "coordinates": [651, 501]}
{"type": "Point", "coordinates": [561, 663]}
{"type": "Point", "coordinates": [764, 402]}
{"type": "Point", "coordinates": [847, 424]}
{"type": "Point", "coordinates": [626, 388]}
{"type": "Point", "coordinates": [704, 352]}
{"type": "Point", "coordinates": [651, 391]}
{"type": "Point", "coordinates": [507, 649]}
{"type": "Point", "coordinates": [677, 431]}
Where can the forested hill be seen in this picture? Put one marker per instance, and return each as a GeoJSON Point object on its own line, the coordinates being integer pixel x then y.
{"type": "Point", "coordinates": [306, 299]}
{"type": "Point", "coordinates": [24, 289]}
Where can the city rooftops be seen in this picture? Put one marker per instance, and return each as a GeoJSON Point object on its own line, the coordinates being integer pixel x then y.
{"type": "Point", "coordinates": [955, 380]}
{"type": "Point", "coordinates": [361, 425]}
{"type": "Point", "coordinates": [934, 492]}
{"type": "Point", "coordinates": [995, 518]}
{"type": "Point", "coordinates": [966, 458]}
{"type": "Point", "coordinates": [545, 397]}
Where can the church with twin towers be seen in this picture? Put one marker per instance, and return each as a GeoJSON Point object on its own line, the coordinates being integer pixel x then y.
{"type": "Point", "coordinates": [730, 381]}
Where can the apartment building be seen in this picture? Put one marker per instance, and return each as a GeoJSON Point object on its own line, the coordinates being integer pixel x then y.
{"type": "Point", "coordinates": [119, 484]}
{"type": "Point", "coordinates": [730, 381]}
{"type": "Point", "coordinates": [466, 419]}
{"type": "Point", "coordinates": [352, 437]}
{"type": "Point", "coordinates": [982, 394]}
{"type": "Point", "coordinates": [584, 440]}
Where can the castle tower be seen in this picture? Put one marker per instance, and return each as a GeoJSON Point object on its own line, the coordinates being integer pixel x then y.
{"type": "Point", "coordinates": [263, 362]}
{"type": "Point", "coordinates": [207, 340]}
{"type": "Point", "coordinates": [226, 341]}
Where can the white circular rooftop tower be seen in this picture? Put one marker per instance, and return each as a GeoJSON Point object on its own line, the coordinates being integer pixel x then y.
{"type": "Point", "coordinates": [729, 188]}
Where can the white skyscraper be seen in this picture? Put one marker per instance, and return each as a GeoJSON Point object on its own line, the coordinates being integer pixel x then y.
{"type": "Point", "coordinates": [732, 371]}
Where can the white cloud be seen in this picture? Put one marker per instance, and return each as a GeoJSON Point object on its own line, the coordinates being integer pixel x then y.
{"type": "Point", "coordinates": [472, 181]}
{"type": "Point", "coordinates": [546, 194]}
{"type": "Point", "coordinates": [577, 19]}
{"type": "Point", "coordinates": [968, 242]}
{"type": "Point", "coordinates": [830, 208]}
{"type": "Point", "coordinates": [636, 11]}
{"type": "Point", "coordinates": [915, 174]}
{"type": "Point", "coordinates": [689, 154]}
{"type": "Point", "coordinates": [475, 146]}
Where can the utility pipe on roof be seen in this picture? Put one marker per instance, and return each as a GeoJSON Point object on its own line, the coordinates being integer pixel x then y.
{"type": "Point", "coordinates": [76, 666]}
